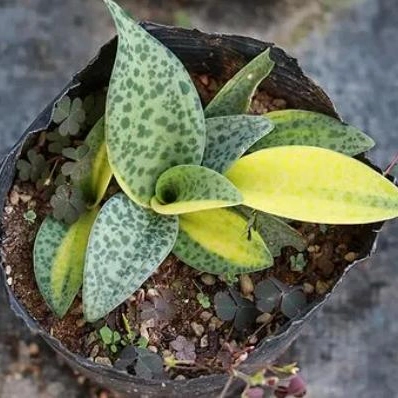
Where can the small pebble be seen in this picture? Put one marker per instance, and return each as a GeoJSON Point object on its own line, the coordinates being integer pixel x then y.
{"type": "Point", "coordinates": [311, 249]}
{"type": "Point", "coordinates": [8, 209]}
{"type": "Point", "coordinates": [208, 280]}
{"type": "Point", "coordinates": [152, 348]}
{"type": "Point", "coordinates": [264, 318]}
{"type": "Point", "coordinates": [253, 340]}
{"type": "Point", "coordinates": [246, 284]}
{"type": "Point", "coordinates": [81, 380]}
{"type": "Point", "coordinates": [14, 198]}
{"type": "Point", "coordinates": [180, 377]}
{"type": "Point", "coordinates": [204, 341]}
{"type": "Point", "coordinates": [205, 316]}
{"type": "Point", "coordinates": [197, 328]}
{"type": "Point", "coordinates": [103, 361]}
{"type": "Point", "coordinates": [350, 257]}
{"type": "Point", "coordinates": [9, 281]}
{"type": "Point", "coordinates": [321, 287]}
{"type": "Point", "coordinates": [80, 323]}
{"type": "Point", "coordinates": [25, 198]}
{"type": "Point", "coordinates": [94, 352]}
{"type": "Point", "coordinates": [151, 293]}
{"type": "Point", "coordinates": [34, 350]}
{"type": "Point", "coordinates": [8, 270]}
{"type": "Point", "coordinates": [215, 323]}
{"type": "Point", "coordinates": [204, 80]}
{"type": "Point", "coordinates": [308, 288]}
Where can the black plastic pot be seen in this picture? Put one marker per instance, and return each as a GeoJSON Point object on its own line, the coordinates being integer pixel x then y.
{"type": "Point", "coordinates": [221, 56]}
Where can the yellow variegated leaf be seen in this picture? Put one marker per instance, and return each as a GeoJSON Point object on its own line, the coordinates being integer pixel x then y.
{"type": "Point", "coordinates": [217, 241]}
{"type": "Point", "coordinates": [189, 188]}
{"type": "Point", "coordinates": [59, 255]}
{"type": "Point", "coordinates": [96, 181]}
{"type": "Point", "coordinates": [314, 185]}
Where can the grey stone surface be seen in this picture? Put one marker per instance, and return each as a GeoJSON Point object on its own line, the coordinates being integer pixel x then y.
{"type": "Point", "coordinates": [350, 48]}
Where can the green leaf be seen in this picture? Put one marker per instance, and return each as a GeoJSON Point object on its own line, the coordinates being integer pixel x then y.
{"type": "Point", "coordinates": [297, 263]}
{"type": "Point", "coordinates": [149, 365]}
{"type": "Point", "coordinates": [225, 306]}
{"type": "Point", "coordinates": [275, 232]}
{"type": "Point", "coordinates": [57, 142]}
{"type": "Point", "coordinates": [70, 115]}
{"type": "Point", "coordinates": [293, 302]}
{"type": "Point", "coordinates": [106, 335]}
{"type": "Point", "coordinates": [95, 181]}
{"type": "Point", "coordinates": [215, 241]}
{"type": "Point", "coordinates": [233, 306]}
{"type": "Point", "coordinates": [188, 188]}
{"type": "Point", "coordinates": [154, 118]}
{"type": "Point", "coordinates": [58, 254]}
{"type": "Point", "coordinates": [297, 127]}
{"type": "Point", "coordinates": [67, 203]}
{"type": "Point", "coordinates": [229, 137]}
{"type": "Point", "coordinates": [203, 300]}
{"type": "Point", "coordinates": [268, 295]}
{"type": "Point", "coordinates": [34, 168]}
{"type": "Point", "coordinates": [126, 245]}
{"type": "Point", "coordinates": [235, 97]}
{"type": "Point", "coordinates": [314, 185]}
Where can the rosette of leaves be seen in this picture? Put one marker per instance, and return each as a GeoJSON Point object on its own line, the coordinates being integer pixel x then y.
{"type": "Point", "coordinates": [182, 169]}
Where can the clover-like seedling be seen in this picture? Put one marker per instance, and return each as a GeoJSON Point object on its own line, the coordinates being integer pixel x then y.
{"type": "Point", "coordinates": [57, 141]}
{"type": "Point", "coordinates": [183, 169]}
{"type": "Point", "coordinates": [34, 168]}
{"type": "Point", "coordinates": [271, 294]}
{"type": "Point", "coordinates": [140, 362]}
{"type": "Point", "coordinates": [68, 203]}
{"type": "Point", "coordinates": [30, 216]}
{"type": "Point", "coordinates": [69, 115]}
{"type": "Point", "coordinates": [185, 349]}
{"type": "Point", "coordinates": [159, 308]}
{"type": "Point", "coordinates": [110, 338]}
{"type": "Point", "coordinates": [203, 300]}
{"type": "Point", "coordinates": [231, 305]}
{"type": "Point", "coordinates": [79, 166]}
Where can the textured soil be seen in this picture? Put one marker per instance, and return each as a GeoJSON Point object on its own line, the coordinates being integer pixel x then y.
{"type": "Point", "coordinates": [217, 344]}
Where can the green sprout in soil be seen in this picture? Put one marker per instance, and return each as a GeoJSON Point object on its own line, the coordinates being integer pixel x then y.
{"type": "Point", "coordinates": [298, 263]}
{"type": "Point", "coordinates": [30, 216]}
{"type": "Point", "coordinates": [187, 180]}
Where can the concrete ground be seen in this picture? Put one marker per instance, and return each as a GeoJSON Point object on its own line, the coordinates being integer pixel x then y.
{"type": "Point", "coordinates": [349, 47]}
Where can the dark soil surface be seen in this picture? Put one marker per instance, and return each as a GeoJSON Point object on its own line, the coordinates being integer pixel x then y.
{"type": "Point", "coordinates": [217, 345]}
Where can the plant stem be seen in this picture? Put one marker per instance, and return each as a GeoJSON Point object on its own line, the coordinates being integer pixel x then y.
{"type": "Point", "coordinates": [392, 164]}
{"type": "Point", "coordinates": [226, 387]}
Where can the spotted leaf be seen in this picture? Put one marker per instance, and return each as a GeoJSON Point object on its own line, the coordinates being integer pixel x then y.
{"type": "Point", "coordinates": [94, 183]}
{"type": "Point", "coordinates": [188, 188]}
{"type": "Point", "coordinates": [297, 127]}
{"type": "Point", "coordinates": [314, 185]}
{"type": "Point", "coordinates": [229, 137]}
{"type": "Point", "coordinates": [59, 253]}
{"type": "Point", "coordinates": [235, 97]}
{"type": "Point", "coordinates": [126, 245]}
{"type": "Point", "coordinates": [154, 118]}
{"type": "Point", "coordinates": [216, 241]}
{"type": "Point", "coordinates": [274, 231]}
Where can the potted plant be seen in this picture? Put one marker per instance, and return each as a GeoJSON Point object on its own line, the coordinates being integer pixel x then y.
{"type": "Point", "coordinates": [158, 238]}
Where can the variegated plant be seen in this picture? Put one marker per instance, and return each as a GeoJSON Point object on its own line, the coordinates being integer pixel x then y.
{"type": "Point", "coordinates": [189, 177]}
